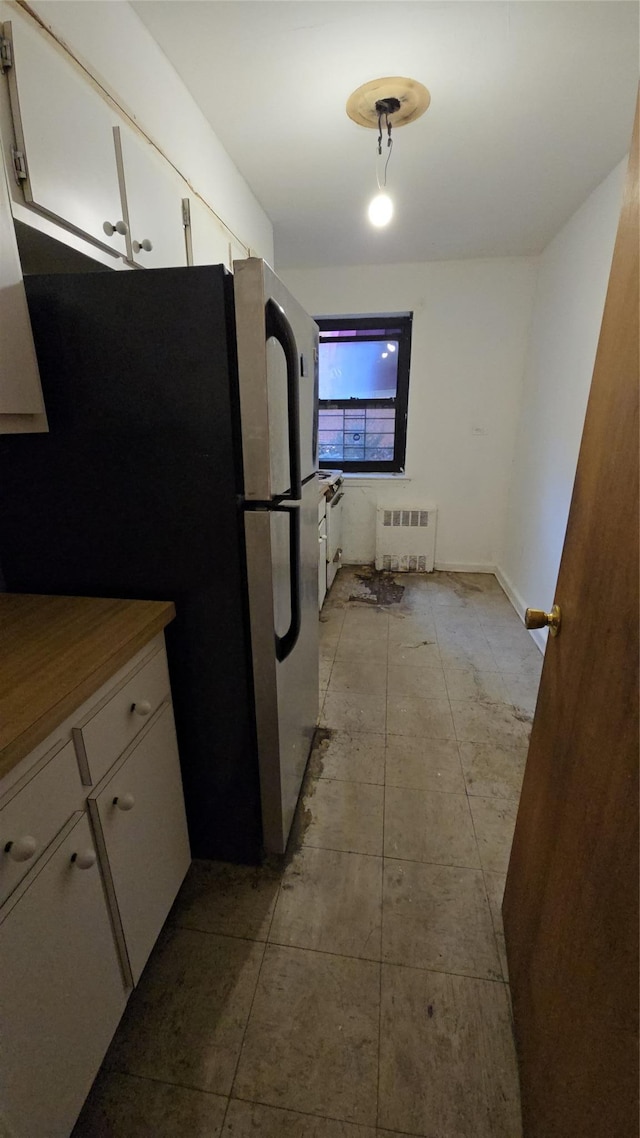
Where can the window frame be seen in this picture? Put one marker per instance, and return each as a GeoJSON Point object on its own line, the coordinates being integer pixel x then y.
{"type": "Point", "coordinates": [363, 322]}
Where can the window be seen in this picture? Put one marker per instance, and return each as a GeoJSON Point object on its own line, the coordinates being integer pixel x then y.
{"type": "Point", "coordinates": [363, 391]}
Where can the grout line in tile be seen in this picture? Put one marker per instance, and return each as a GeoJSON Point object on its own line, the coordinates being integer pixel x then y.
{"type": "Point", "coordinates": [334, 849]}
{"type": "Point", "coordinates": [232, 936]}
{"type": "Point", "coordinates": [297, 1110]}
{"type": "Point", "coordinates": [384, 809]}
{"type": "Point", "coordinates": [446, 864]}
{"type": "Point", "coordinates": [165, 1082]}
{"type": "Point", "coordinates": [246, 1026]}
{"type": "Point", "coordinates": [327, 951]}
{"type": "Point", "coordinates": [350, 781]}
{"type": "Point", "coordinates": [444, 972]}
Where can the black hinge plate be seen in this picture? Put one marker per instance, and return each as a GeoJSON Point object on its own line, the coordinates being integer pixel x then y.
{"type": "Point", "coordinates": [6, 53]}
{"type": "Point", "coordinates": [19, 165]}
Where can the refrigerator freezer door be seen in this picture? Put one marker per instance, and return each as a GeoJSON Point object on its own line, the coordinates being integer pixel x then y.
{"type": "Point", "coordinates": [286, 691]}
{"type": "Point", "coordinates": [277, 346]}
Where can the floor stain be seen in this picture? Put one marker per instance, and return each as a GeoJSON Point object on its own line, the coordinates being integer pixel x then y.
{"type": "Point", "coordinates": [523, 716]}
{"type": "Point", "coordinates": [303, 816]}
{"type": "Point", "coordinates": [378, 588]}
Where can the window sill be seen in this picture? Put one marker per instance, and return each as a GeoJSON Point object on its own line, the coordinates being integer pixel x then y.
{"type": "Point", "coordinates": [354, 478]}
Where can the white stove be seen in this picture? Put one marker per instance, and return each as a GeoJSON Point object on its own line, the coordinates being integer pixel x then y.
{"type": "Point", "coordinates": [331, 487]}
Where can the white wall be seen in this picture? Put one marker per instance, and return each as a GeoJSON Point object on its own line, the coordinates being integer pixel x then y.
{"type": "Point", "coordinates": [570, 294]}
{"type": "Point", "coordinates": [470, 326]}
{"type": "Point", "coordinates": [109, 38]}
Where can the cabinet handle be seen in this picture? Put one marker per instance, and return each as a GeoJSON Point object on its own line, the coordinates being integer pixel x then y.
{"type": "Point", "coordinates": [22, 849]}
{"type": "Point", "coordinates": [119, 227]}
{"type": "Point", "coordinates": [142, 707]}
{"type": "Point", "coordinates": [84, 859]}
{"type": "Point", "coordinates": [124, 801]}
{"type": "Point", "coordinates": [144, 246]}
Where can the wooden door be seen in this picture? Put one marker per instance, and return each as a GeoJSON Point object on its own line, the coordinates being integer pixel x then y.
{"type": "Point", "coordinates": [571, 900]}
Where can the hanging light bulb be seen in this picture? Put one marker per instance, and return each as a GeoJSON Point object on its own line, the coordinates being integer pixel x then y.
{"type": "Point", "coordinates": [380, 210]}
{"type": "Point", "coordinates": [385, 103]}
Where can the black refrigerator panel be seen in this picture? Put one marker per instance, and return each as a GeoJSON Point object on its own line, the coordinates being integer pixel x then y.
{"type": "Point", "coordinates": [135, 492]}
{"type": "Point", "coordinates": [139, 355]}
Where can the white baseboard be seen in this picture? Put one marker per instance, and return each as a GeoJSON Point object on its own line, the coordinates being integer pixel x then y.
{"type": "Point", "coordinates": [538, 635]}
{"type": "Point", "coordinates": [464, 567]}
{"type": "Point", "coordinates": [443, 566]}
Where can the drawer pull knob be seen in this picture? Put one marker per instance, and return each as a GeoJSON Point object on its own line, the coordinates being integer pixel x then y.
{"type": "Point", "coordinates": [119, 227]}
{"type": "Point", "coordinates": [124, 801]}
{"type": "Point", "coordinates": [144, 246]}
{"type": "Point", "coordinates": [84, 859]}
{"type": "Point", "coordinates": [22, 849]}
{"type": "Point", "coordinates": [143, 707]}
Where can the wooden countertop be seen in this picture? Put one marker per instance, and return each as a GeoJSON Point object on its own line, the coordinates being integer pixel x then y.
{"type": "Point", "coordinates": [55, 652]}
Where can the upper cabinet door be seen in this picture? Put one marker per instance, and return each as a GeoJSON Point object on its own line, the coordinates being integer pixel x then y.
{"type": "Point", "coordinates": [64, 130]}
{"type": "Point", "coordinates": [209, 240]}
{"type": "Point", "coordinates": [20, 392]}
{"type": "Point", "coordinates": [152, 203]}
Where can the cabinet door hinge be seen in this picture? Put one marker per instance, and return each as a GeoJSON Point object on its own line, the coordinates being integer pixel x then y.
{"type": "Point", "coordinates": [186, 213]}
{"type": "Point", "coordinates": [19, 165]}
{"type": "Point", "coordinates": [6, 53]}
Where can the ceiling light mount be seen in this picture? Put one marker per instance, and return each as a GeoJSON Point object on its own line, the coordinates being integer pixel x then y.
{"type": "Point", "coordinates": [388, 106]}
{"type": "Point", "coordinates": [404, 100]}
{"type": "Point", "coordinates": [383, 104]}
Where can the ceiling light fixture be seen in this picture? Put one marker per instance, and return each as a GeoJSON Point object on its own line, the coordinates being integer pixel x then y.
{"type": "Point", "coordinates": [385, 103]}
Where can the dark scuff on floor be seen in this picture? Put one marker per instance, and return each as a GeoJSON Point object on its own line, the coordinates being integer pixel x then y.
{"type": "Point", "coordinates": [303, 816]}
{"type": "Point", "coordinates": [378, 588]}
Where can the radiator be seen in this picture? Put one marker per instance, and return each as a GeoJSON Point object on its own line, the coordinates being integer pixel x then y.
{"type": "Point", "coordinates": [406, 539]}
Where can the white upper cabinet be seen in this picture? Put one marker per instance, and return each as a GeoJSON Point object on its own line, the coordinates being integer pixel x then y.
{"type": "Point", "coordinates": [209, 240]}
{"type": "Point", "coordinates": [237, 252]}
{"type": "Point", "coordinates": [20, 392]}
{"type": "Point", "coordinates": [63, 131]}
{"type": "Point", "coordinates": [151, 203]}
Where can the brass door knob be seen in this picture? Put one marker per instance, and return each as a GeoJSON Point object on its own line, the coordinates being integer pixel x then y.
{"type": "Point", "coordinates": [538, 618]}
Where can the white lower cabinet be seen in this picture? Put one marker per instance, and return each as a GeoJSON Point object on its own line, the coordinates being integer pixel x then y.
{"type": "Point", "coordinates": [138, 814]}
{"type": "Point", "coordinates": [93, 850]}
{"type": "Point", "coordinates": [61, 991]}
{"type": "Point", "coordinates": [322, 551]}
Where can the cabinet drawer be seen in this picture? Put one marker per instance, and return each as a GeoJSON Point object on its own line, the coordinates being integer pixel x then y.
{"type": "Point", "coordinates": [142, 837]}
{"type": "Point", "coordinates": [62, 991]}
{"type": "Point", "coordinates": [108, 729]}
{"type": "Point", "coordinates": [34, 811]}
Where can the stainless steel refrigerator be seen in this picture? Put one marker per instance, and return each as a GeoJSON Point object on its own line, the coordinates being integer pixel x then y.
{"type": "Point", "coordinates": [180, 464]}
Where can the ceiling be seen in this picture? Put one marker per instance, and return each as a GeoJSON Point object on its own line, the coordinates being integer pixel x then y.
{"type": "Point", "coordinates": [531, 106]}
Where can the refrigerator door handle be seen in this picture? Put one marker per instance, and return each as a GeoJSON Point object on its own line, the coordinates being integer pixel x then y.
{"type": "Point", "coordinates": [278, 327]}
{"type": "Point", "coordinates": [285, 644]}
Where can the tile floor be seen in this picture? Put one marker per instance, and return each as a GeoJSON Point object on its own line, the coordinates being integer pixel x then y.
{"type": "Point", "coordinates": [358, 991]}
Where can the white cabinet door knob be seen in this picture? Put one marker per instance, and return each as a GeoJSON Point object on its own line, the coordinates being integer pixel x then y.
{"type": "Point", "coordinates": [84, 859]}
{"type": "Point", "coordinates": [124, 801]}
{"type": "Point", "coordinates": [144, 246]}
{"type": "Point", "coordinates": [120, 227]}
{"type": "Point", "coordinates": [22, 849]}
{"type": "Point", "coordinates": [142, 707]}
